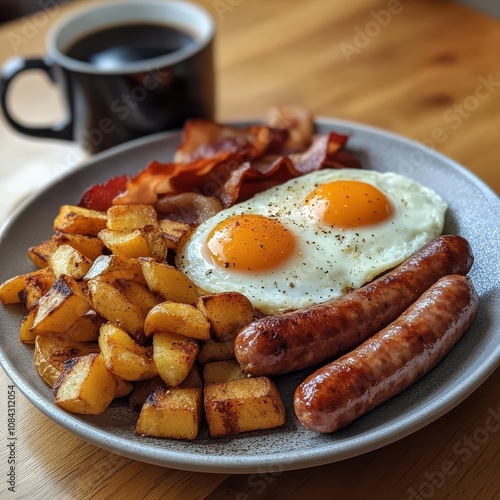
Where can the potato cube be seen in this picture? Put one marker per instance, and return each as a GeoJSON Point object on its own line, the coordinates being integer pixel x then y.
{"type": "Point", "coordinates": [113, 302]}
{"type": "Point", "coordinates": [89, 246]}
{"type": "Point", "coordinates": [37, 285]}
{"type": "Point", "coordinates": [67, 260]}
{"type": "Point", "coordinates": [78, 220]}
{"type": "Point", "coordinates": [40, 254]}
{"type": "Point", "coordinates": [171, 413]}
{"type": "Point", "coordinates": [168, 282]}
{"type": "Point", "coordinates": [157, 244]}
{"type": "Point", "coordinates": [116, 267]}
{"type": "Point", "coordinates": [85, 385]}
{"type": "Point", "coordinates": [216, 351]}
{"type": "Point", "coordinates": [243, 405]}
{"type": "Point", "coordinates": [123, 356]}
{"type": "Point", "coordinates": [84, 329]}
{"type": "Point", "coordinates": [222, 371]}
{"type": "Point", "coordinates": [11, 290]}
{"type": "Point", "coordinates": [51, 352]}
{"type": "Point", "coordinates": [137, 293]}
{"type": "Point", "coordinates": [127, 218]}
{"type": "Point", "coordinates": [26, 334]}
{"type": "Point", "coordinates": [175, 317]}
{"type": "Point", "coordinates": [174, 356]}
{"type": "Point", "coordinates": [227, 312]}
{"type": "Point", "coordinates": [145, 242]}
{"type": "Point", "coordinates": [132, 244]}
{"type": "Point", "coordinates": [124, 388]}
{"type": "Point", "coordinates": [173, 231]}
{"type": "Point", "coordinates": [61, 306]}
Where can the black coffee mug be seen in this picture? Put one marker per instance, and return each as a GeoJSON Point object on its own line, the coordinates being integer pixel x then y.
{"type": "Point", "coordinates": [128, 69]}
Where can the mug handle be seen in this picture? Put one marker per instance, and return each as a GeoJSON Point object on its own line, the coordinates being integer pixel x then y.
{"type": "Point", "coordinates": [62, 130]}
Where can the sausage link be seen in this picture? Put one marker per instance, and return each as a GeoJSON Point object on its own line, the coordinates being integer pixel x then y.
{"type": "Point", "coordinates": [299, 339]}
{"type": "Point", "coordinates": [391, 360]}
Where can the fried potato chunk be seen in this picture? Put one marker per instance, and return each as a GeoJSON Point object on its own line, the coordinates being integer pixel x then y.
{"type": "Point", "coordinates": [61, 306]}
{"type": "Point", "coordinates": [67, 260]}
{"type": "Point", "coordinates": [26, 333]}
{"type": "Point", "coordinates": [182, 319]}
{"type": "Point", "coordinates": [216, 351]}
{"type": "Point", "coordinates": [173, 231]}
{"type": "Point", "coordinates": [12, 290]}
{"type": "Point", "coordinates": [40, 254]}
{"type": "Point", "coordinates": [145, 242]}
{"type": "Point", "coordinates": [173, 412]}
{"type": "Point", "coordinates": [78, 220]}
{"type": "Point", "coordinates": [123, 302]}
{"type": "Point", "coordinates": [116, 267]}
{"type": "Point", "coordinates": [168, 282]}
{"type": "Point", "coordinates": [89, 246]}
{"type": "Point", "coordinates": [123, 356]}
{"type": "Point", "coordinates": [222, 371]}
{"type": "Point", "coordinates": [124, 387]}
{"type": "Point", "coordinates": [51, 352]}
{"type": "Point", "coordinates": [127, 218]}
{"type": "Point", "coordinates": [85, 328]}
{"type": "Point", "coordinates": [226, 312]}
{"type": "Point", "coordinates": [38, 284]}
{"type": "Point", "coordinates": [242, 405]}
{"type": "Point", "coordinates": [174, 355]}
{"type": "Point", "coordinates": [85, 385]}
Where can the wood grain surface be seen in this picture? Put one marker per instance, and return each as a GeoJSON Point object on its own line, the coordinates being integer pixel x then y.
{"type": "Point", "coordinates": [429, 70]}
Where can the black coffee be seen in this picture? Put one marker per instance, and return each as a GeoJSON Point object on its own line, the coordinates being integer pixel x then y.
{"type": "Point", "coordinates": [113, 47]}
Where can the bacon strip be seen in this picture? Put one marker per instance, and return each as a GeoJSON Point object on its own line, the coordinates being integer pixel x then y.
{"type": "Point", "coordinates": [228, 163]}
{"type": "Point", "coordinates": [205, 139]}
{"type": "Point", "coordinates": [100, 196]}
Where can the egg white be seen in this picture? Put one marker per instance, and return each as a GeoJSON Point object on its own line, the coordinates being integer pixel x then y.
{"type": "Point", "coordinates": [328, 261]}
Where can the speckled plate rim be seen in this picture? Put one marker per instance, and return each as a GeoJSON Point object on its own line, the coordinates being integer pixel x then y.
{"type": "Point", "coordinates": [308, 456]}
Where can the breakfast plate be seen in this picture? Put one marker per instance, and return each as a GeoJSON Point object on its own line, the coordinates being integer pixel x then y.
{"type": "Point", "coordinates": [473, 212]}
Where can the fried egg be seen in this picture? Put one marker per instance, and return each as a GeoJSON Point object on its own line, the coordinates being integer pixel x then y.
{"type": "Point", "coordinates": [312, 238]}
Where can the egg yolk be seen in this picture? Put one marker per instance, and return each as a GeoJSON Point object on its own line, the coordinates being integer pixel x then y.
{"type": "Point", "coordinates": [250, 243]}
{"type": "Point", "coordinates": [349, 204]}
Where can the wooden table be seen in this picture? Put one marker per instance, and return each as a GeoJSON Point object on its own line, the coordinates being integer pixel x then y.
{"type": "Point", "coordinates": [415, 69]}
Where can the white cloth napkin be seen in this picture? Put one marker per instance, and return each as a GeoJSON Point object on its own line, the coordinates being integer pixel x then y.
{"type": "Point", "coordinates": [27, 165]}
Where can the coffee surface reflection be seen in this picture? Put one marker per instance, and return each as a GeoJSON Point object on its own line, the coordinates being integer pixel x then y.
{"type": "Point", "coordinates": [116, 46]}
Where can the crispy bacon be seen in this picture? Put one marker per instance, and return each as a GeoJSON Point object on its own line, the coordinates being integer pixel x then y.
{"type": "Point", "coordinates": [191, 208]}
{"type": "Point", "coordinates": [223, 174]}
{"type": "Point", "coordinates": [205, 139]}
{"type": "Point", "coordinates": [297, 120]}
{"type": "Point", "coordinates": [227, 163]}
{"type": "Point", "coordinates": [100, 196]}
{"type": "Point", "coordinates": [175, 178]}
{"type": "Point", "coordinates": [324, 152]}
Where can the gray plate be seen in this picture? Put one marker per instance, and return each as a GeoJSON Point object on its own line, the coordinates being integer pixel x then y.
{"type": "Point", "coordinates": [474, 212]}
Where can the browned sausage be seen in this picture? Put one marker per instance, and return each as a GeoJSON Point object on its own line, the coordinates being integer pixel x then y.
{"type": "Point", "coordinates": [280, 344]}
{"type": "Point", "coordinates": [391, 360]}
